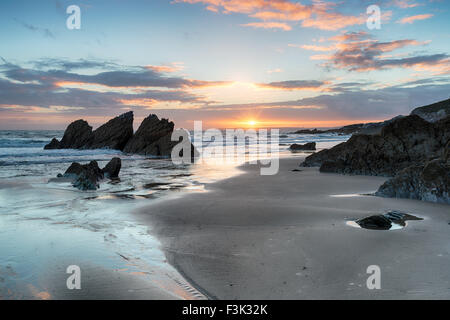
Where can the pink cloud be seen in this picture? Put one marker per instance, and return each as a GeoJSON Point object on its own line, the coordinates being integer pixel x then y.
{"type": "Point", "coordinates": [268, 25]}
{"type": "Point", "coordinates": [412, 19]}
{"type": "Point", "coordinates": [277, 13]}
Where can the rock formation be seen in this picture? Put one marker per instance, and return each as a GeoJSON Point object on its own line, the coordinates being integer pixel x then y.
{"type": "Point", "coordinates": [413, 151]}
{"type": "Point", "coordinates": [114, 134]}
{"type": "Point", "coordinates": [84, 177]}
{"type": "Point", "coordinates": [385, 221]}
{"type": "Point", "coordinates": [153, 138]}
{"type": "Point", "coordinates": [88, 176]}
{"type": "Point", "coordinates": [77, 135]}
{"type": "Point", "coordinates": [365, 128]}
{"type": "Point", "coordinates": [428, 182]}
{"type": "Point", "coordinates": [404, 142]}
{"type": "Point", "coordinates": [112, 169]}
{"type": "Point", "coordinates": [306, 146]}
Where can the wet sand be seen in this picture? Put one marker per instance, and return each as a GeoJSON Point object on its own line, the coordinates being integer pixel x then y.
{"type": "Point", "coordinates": [286, 237]}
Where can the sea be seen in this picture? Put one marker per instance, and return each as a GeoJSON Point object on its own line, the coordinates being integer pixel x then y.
{"type": "Point", "coordinates": [46, 224]}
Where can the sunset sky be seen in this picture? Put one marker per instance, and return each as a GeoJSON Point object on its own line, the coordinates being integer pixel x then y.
{"type": "Point", "coordinates": [230, 63]}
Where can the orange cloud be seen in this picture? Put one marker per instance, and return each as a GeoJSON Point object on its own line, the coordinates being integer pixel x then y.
{"type": "Point", "coordinates": [411, 19]}
{"type": "Point", "coordinates": [313, 47]}
{"type": "Point", "coordinates": [142, 102]}
{"type": "Point", "coordinates": [269, 25]}
{"type": "Point", "coordinates": [291, 85]}
{"type": "Point", "coordinates": [173, 67]}
{"type": "Point", "coordinates": [332, 21]}
{"type": "Point", "coordinates": [277, 70]}
{"type": "Point", "coordinates": [319, 14]}
{"type": "Point", "coordinates": [405, 4]}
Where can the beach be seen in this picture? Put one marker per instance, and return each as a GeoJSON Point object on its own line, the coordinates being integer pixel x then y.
{"type": "Point", "coordinates": [286, 237]}
{"type": "Point", "coordinates": [47, 225]}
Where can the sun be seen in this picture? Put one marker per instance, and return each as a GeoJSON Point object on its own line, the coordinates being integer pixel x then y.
{"type": "Point", "coordinates": [251, 123]}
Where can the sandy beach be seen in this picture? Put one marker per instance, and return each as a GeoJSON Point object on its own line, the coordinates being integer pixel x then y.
{"type": "Point", "coordinates": [286, 237]}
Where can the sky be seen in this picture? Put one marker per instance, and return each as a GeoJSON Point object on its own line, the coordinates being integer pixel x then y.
{"type": "Point", "coordinates": [228, 63]}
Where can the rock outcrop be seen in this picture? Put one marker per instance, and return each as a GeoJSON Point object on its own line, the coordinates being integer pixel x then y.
{"type": "Point", "coordinates": [300, 147]}
{"type": "Point", "coordinates": [77, 135]}
{"type": "Point", "coordinates": [54, 144]}
{"type": "Point", "coordinates": [152, 138]}
{"type": "Point", "coordinates": [112, 169]}
{"type": "Point", "coordinates": [385, 221]}
{"type": "Point", "coordinates": [365, 128]}
{"type": "Point", "coordinates": [114, 134]}
{"type": "Point", "coordinates": [87, 176]}
{"type": "Point", "coordinates": [404, 142]}
{"type": "Point", "coordinates": [428, 182]}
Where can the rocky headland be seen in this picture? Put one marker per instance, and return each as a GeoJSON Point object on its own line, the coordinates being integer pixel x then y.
{"type": "Point", "coordinates": [412, 150]}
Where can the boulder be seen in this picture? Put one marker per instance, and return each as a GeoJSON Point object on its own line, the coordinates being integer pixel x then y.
{"type": "Point", "coordinates": [152, 138]}
{"type": "Point", "coordinates": [114, 134]}
{"type": "Point", "coordinates": [377, 222]}
{"type": "Point", "coordinates": [306, 146]}
{"type": "Point", "coordinates": [385, 221]}
{"type": "Point", "coordinates": [403, 142]}
{"type": "Point", "coordinates": [84, 177]}
{"type": "Point", "coordinates": [428, 182]}
{"type": "Point", "coordinates": [54, 144]}
{"type": "Point", "coordinates": [112, 169]}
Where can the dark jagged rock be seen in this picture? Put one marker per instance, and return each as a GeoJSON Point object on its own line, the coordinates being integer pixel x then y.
{"type": "Point", "coordinates": [306, 146]}
{"type": "Point", "coordinates": [85, 177]}
{"type": "Point", "coordinates": [378, 222]}
{"type": "Point", "coordinates": [114, 134]}
{"type": "Point", "coordinates": [429, 182]}
{"type": "Point", "coordinates": [152, 138]}
{"type": "Point", "coordinates": [77, 135]}
{"type": "Point", "coordinates": [112, 169]}
{"type": "Point", "coordinates": [54, 144]}
{"type": "Point", "coordinates": [385, 221]}
{"type": "Point", "coordinates": [403, 142]}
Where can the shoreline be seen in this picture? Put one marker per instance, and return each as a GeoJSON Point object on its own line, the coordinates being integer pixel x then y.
{"type": "Point", "coordinates": [285, 237]}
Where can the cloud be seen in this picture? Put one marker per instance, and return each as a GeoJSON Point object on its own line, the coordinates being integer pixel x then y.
{"type": "Point", "coordinates": [276, 70]}
{"type": "Point", "coordinates": [295, 85]}
{"type": "Point", "coordinates": [412, 19]}
{"type": "Point", "coordinates": [404, 4]}
{"type": "Point", "coordinates": [381, 104]}
{"type": "Point", "coordinates": [268, 25]}
{"type": "Point", "coordinates": [172, 67]}
{"type": "Point", "coordinates": [360, 52]}
{"type": "Point", "coordinates": [279, 13]}
{"type": "Point", "coordinates": [44, 31]}
{"type": "Point", "coordinates": [125, 76]}
{"type": "Point", "coordinates": [35, 90]}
